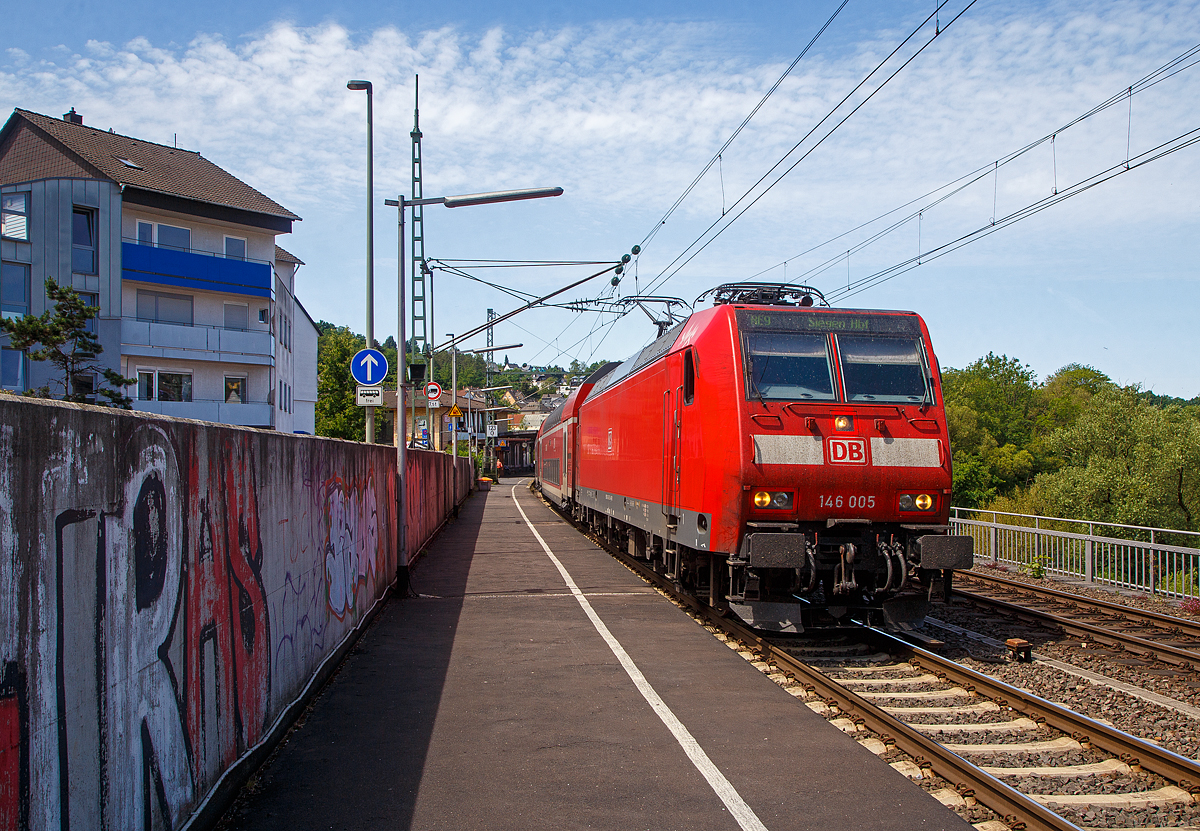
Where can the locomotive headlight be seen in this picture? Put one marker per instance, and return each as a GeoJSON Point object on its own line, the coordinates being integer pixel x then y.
{"type": "Point", "coordinates": [773, 500]}
{"type": "Point", "coordinates": [916, 502]}
{"type": "Point", "coordinates": [843, 423]}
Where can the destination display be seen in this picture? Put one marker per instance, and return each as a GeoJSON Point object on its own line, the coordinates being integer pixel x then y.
{"type": "Point", "coordinates": [850, 323]}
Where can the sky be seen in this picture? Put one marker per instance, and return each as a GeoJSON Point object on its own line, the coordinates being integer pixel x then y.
{"type": "Point", "coordinates": [623, 105]}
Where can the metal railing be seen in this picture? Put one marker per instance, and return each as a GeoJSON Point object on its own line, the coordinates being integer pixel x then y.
{"type": "Point", "coordinates": [1140, 558]}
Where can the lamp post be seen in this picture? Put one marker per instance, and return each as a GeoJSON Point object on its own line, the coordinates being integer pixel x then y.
{"type": "Point", "coordinates": [366, 85]}
{"type": "Point", "coordinates": [401, 203]}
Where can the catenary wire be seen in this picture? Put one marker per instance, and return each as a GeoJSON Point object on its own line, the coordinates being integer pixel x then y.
{"type": "Point", "coordinates": [714, 160]}
{"type": "Point", "coordinates": [1180, 142]}
{"type": "Point", "coordinates": [697, 246]}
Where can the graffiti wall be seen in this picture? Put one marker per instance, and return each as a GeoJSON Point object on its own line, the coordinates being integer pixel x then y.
{"type": "Point", "coordinates": [167, 589]}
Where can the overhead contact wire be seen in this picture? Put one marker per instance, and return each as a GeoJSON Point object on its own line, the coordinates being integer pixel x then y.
{"type": "Point", "coordinates": [716, 158]}
{"type": "Point", "coordinates": [664, 275]}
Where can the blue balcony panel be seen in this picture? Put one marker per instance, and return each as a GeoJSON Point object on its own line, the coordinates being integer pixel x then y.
{"type": "Point", "coordinates": [183, 269]}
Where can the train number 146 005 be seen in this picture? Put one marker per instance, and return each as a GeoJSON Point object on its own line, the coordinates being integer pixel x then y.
{"type": "Point", "coordinates": [841, 501]}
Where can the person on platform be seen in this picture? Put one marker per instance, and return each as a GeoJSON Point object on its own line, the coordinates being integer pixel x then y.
{"type": "Point", "coordinates": [499, 470]}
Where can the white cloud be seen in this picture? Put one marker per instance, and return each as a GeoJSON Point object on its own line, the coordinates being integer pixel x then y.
{"type": "Point", "coordinates": [623, 115]}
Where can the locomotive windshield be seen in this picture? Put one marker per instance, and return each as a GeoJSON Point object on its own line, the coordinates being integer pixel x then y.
{"type": "Point", "coordinates": [790, 354]}
{"type": "Point", "coordinates": [787, 365]}
{"type": "Point", "coordinates": [882, 369]}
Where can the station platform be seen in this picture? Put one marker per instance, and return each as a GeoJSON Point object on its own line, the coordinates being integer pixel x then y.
{"type": "Point", "coordinates": [531, 690]}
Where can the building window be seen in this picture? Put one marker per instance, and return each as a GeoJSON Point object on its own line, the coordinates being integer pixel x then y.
{"type": "Point", "coordinates": [90, 300]}
{"type": "Point", "coordinates": [161, 385]}
{"type": "Point", "coordinates": [12, 369]}
{"type": "Point", "coordinates": [83, 241]}
{"type": "Point", "coordinates": [171, 237]}
{"type": "Point", "coordinates": [159, 307]}
{"type": "Point", "coordinates": [85, 384]}
{"type": "Point", "coordinates": [174, 386]}
{"type": "Point", "coordinates": [235, 389]}
{"type": "Point", "coordinates": [164, 236]}
{"type": "Point", "coordinates": [235, 248]}
{"type": "Point", "coordinates": [237, 316]}
{"type": "Point", "coordinates": [14, 290]}
{"type": "Point", "coordinates": [14, 215]}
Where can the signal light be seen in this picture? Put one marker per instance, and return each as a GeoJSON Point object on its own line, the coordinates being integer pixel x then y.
{"type": "Point", "coordinates": [843, 423]}
{"type": "Point", "coordinates": [762, 499]}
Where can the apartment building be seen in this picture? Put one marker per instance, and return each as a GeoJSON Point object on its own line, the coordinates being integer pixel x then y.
{"type": "Point", "coordinates": [196, 300]}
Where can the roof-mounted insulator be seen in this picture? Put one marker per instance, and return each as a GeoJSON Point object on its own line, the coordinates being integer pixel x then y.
{"type": "Point", "coordinates": [765, 294]}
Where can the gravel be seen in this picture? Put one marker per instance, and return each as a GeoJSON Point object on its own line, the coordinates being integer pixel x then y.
{"type": "Point", "coordinates": [1168, 728]}
{"type": "Point", "coordinates": [1136, 600]}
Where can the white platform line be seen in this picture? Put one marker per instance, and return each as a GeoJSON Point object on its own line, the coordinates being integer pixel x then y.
{"type": "Point", "coordinates": [742, 812]}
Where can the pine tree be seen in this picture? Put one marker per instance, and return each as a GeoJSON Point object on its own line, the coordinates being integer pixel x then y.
{"type": "Point", "coordinates": [61, 336]}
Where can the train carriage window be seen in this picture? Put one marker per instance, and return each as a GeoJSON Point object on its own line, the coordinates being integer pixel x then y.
{"type": "Point", "coordinates": [883, 369]}
{"type": "Point", "coordinates": [689, 377]}
{"type": "Point", "coordinates": [789, 366]}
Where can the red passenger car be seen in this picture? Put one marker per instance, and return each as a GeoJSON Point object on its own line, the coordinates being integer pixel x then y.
{"type": "Point", "coordinates": [778, 458]}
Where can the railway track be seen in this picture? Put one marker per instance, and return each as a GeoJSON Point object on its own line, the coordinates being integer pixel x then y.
{"type": "Point", "coordinates": [1150, 635]}
{"type": "Point", "coordinates": [1001, 756]}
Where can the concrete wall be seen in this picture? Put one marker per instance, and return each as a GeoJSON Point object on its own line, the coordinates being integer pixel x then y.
{"type": "Point", "coordinates": [167, 590]}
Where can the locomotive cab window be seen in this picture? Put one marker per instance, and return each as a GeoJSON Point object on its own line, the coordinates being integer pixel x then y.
{"type": "Point", "coordinates": [789, 366]}
{"type": "Point", "coordinates": [689, 378]}
{"type": "Point", "coordinates": [883, 369]}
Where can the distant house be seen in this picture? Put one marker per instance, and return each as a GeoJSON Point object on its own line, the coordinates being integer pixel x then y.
{"type": "Point", "coordinates": [197, 301]}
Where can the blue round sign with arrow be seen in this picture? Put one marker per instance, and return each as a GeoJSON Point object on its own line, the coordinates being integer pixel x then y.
{"type": "Point", "coordinates": [369, 367]}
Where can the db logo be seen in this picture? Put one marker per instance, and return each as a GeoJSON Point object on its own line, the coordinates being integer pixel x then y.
{"type": "Point", "coordinates": [847, 451]}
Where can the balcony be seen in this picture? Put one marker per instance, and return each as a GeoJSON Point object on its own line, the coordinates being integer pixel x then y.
{"type": "Point", "coordinates": [250, 414]}
{"type": "Point", "coordinates": [207, 343]}
{"type": "Point", "coordinates": [194, 270]}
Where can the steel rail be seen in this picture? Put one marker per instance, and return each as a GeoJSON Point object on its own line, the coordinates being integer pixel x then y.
{"type": "Point", "coordinates": [1179, 769]}
{"type": "Point", "coordinates": [1189, 627]}
{"type": "Point", "coordinates": [1014, 806]}
{"type": "Point", "coordinates": [1185, 658]}
{"type": "Point", "coordinates": [1018, 810]}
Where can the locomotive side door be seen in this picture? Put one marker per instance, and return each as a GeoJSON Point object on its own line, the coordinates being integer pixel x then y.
{"type": "Point", "coordinates": [568, 466]}
{"type": "Point", "coordinates": [672, 445]}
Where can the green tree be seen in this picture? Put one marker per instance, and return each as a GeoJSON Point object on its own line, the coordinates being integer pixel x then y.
{"type": "Point", "coordinates": [1127, 461]}
{"type": "Point", "coordinates": [61, 336]}
{"type": "Point", "coordinates": [337, 414]}
{"type": "Point", "coordinates": [1000, 390]}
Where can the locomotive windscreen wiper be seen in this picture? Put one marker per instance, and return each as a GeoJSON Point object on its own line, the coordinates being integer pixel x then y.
{"type": "Point", "coordinates": [754, 390]}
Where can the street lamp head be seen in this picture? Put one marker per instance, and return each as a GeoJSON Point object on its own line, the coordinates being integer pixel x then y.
{"type": "Point", "coordinates": [359, 85]}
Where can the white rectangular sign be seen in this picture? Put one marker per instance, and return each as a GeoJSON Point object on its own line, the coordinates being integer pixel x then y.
{"type": "Point", "coordinates": [493, 430]}
{"type": "Point", "coordinates": [368, 396]}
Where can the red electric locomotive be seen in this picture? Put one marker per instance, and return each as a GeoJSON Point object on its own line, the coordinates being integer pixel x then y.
{"type": "Point", "coordinates": [788, 460]}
